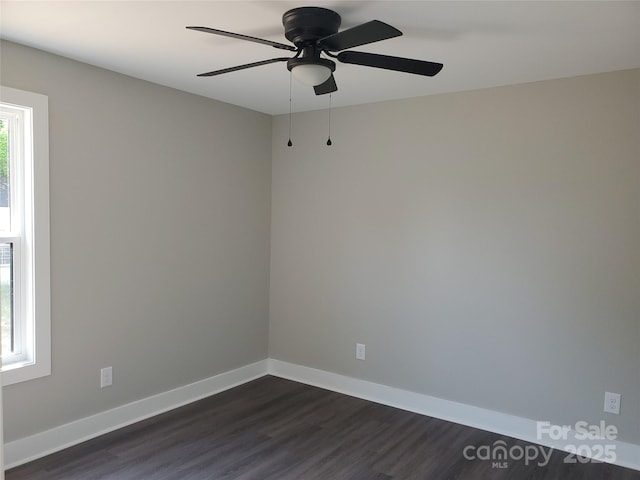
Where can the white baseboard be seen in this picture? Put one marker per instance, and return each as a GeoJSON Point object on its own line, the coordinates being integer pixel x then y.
{"type": "Point", "coordinates": [626, 454]}
{"type": "Point", "coordinates": [50, 441]}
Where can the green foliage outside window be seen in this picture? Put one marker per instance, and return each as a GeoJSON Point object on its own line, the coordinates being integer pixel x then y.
{"type": "Point", "coordinates": [4, 151]}
{"type": "Point", "coordinates": [4, 164]}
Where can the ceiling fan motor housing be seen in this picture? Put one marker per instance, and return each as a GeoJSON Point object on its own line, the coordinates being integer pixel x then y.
{"type": "Point", "coordinates": [305, 25]}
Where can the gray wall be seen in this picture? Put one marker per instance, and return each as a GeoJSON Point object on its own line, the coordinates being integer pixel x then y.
{"type": "Point", "coordinates": [483, 245]}
{"type": "Point", "coordinates": [160, 204]}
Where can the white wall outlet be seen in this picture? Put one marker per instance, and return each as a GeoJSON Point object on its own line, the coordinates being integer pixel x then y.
{"type": "Point", "coordinates": [106, 377]}
{"type": "Point", "coordinates": [360, 351]}
{"type": "Point", "coordinates": [612, 402]}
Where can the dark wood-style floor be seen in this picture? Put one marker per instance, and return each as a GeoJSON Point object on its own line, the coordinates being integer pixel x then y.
{"type": "Point", "coordinates": [275, 429]}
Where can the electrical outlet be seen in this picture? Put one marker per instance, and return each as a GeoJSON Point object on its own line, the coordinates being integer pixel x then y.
{"type": "Point", "coordinates": [612, 402]}
{"type": "Point", "coordinates": [106, 377]}
{"type": "Point", "coordinates": [360, 351]}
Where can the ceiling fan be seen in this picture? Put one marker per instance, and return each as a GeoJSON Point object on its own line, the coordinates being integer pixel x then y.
{"type": "Point", "coordinates": [313, 32]}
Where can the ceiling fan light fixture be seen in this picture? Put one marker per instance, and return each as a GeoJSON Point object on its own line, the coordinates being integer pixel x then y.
{"type": "Point", "coordinates": [311, 69]}
{"type": "Point", "coordinates": [311, 74]}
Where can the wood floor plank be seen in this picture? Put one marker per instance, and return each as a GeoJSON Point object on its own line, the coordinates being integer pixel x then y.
{"type": "Point", "coordinates": [275, 429]}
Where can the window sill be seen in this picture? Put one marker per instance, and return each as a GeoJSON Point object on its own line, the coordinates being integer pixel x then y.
{"type": "Point", "coordinates": [23, 371]}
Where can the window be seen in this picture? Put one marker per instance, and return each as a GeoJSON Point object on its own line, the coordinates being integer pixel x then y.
{"type": "Point", "coordinates": [24, 236]}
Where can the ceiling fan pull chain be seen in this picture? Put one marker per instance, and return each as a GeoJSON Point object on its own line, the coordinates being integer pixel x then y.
{"type": "Point", "coordinates": [290, 143]}
{"type": "Point", "coordinates": [329, 138]}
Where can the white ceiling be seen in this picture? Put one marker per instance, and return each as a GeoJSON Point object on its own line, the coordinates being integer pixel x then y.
{"type": "Point", "coordinates": [481, 43]}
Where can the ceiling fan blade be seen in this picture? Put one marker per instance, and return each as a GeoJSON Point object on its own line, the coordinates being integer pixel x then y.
{"type": "Point", "coordinates": [407, 65]}
{"type": "Point", "coordinates": [369, 32]}
{"type": "Point", "coordinates": [239, 36]}
{"type": "Point", "coordinates": [242, 67]}
{"type": "Point", "coordinates": [329, 86]}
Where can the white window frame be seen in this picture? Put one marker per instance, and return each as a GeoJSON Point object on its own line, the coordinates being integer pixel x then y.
{"type": "Point", "coordinates": [30, 238]}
